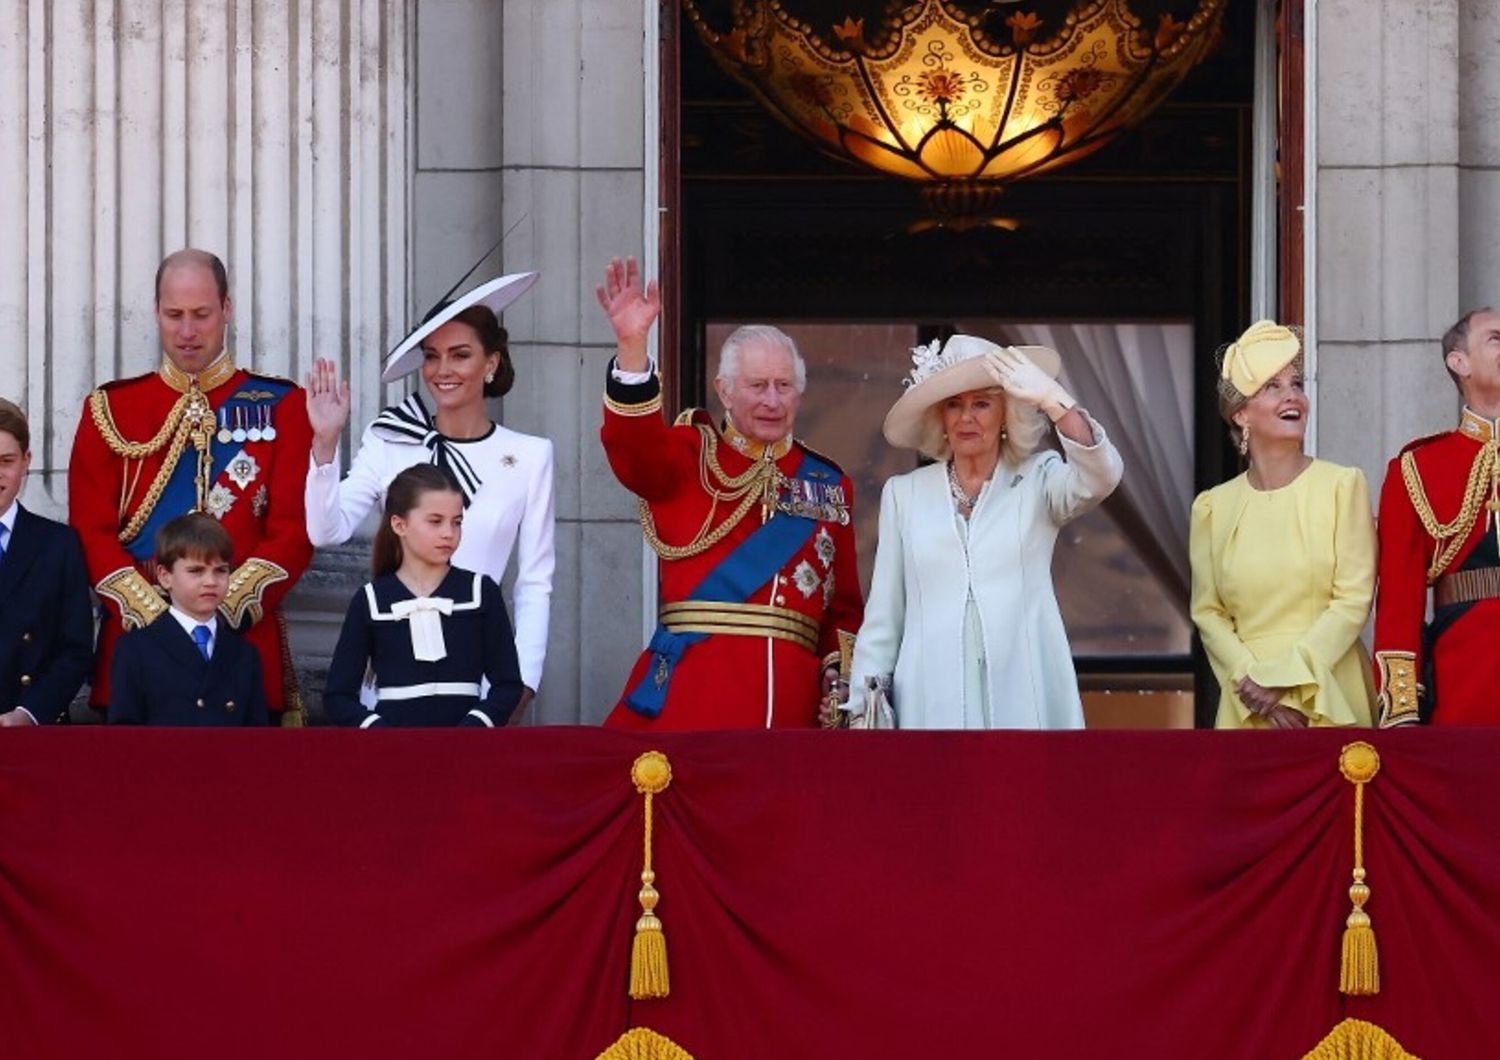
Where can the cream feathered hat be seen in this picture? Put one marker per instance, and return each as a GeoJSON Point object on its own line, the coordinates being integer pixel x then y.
{"type": "Point", "coordinates": [1252, 360]}
{"type": "Point", "coordinates": [938, 372]}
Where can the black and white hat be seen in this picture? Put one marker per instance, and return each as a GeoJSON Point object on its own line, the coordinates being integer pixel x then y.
{"type": "Point", "coordinates": [497, 294]}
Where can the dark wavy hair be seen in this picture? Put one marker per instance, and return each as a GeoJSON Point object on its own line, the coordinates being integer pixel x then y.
{"type": "Point", "coordinates": [403, 494]}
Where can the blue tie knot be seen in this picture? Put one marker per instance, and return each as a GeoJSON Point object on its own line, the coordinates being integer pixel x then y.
{"type": "Point", "coordinates": [201, 636]}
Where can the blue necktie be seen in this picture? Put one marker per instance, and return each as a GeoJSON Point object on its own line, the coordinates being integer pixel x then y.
{"type": "Point", "coordinates": [201, 636]}
{"type": "Point", "coordinates": [4, 540]}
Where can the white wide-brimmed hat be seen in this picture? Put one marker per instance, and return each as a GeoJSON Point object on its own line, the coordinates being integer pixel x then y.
{"type": "Point", "coordinates": [939, 373]}
{"type": "Point", "coordinates": [497, 294]}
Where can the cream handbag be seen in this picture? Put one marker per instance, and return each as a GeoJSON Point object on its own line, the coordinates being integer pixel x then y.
{"type": "Point", "coordinates": [878, 712]}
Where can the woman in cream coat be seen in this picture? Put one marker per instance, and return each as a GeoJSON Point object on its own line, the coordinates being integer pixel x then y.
{"type": "Point", "coordinates": [962, 611]}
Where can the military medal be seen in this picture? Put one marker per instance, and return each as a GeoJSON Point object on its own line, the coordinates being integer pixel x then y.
{"type": "Point", "coordinates": [242, 469]}
{"type": "Point", "coordinates": [239, 434]}
{"type": "Point", "coordinates": [254, 433]}
{"type": "Point", "coordinates": [267, 431]}
{"type": "Point", "coordinates": [225, 434]}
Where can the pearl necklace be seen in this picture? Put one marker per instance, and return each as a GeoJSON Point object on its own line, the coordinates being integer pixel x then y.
{"type": "Point", "coordinates": [959, 496]}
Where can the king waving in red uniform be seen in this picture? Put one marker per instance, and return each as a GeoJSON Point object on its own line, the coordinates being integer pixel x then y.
{"type": "Point", "coordinates": [1439, 529]}
{"type": "Point", "coordinates": [754, 532]}
{"type": "Point", "coordinates": [198, 434]}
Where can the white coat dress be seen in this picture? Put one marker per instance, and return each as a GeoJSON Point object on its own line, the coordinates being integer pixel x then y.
{"type": "Point", "coordinates": [914, 627]}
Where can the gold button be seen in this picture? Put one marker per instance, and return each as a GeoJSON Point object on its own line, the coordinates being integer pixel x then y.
{"type": "Point", "coordinates": [780, 599]}
{"type": "Point", "coordinates": [26, 637]}
{"type": "Point", "coordinates": [229, 706]}
{"type": "Point", "coordinates": [25, 680]}
{"type": "Point", "coordinates": [200, 704]}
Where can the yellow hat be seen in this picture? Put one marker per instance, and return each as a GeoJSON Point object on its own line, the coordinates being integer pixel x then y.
{"type": "Point", "coordinates": [1255, 357]}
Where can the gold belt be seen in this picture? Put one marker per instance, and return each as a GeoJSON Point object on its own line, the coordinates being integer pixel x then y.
{"type": "Point", "coordinates": [1467, 586]}
{"type": "Point", "coordinates": [741, 620]}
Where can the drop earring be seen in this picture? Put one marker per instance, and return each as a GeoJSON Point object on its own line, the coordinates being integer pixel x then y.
{"type": "Point", "coordinates": [1245, 442]}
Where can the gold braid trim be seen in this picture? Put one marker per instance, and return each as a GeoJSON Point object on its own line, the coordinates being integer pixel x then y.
{"type": "Point", "coordinates": [191, 419]}
{"type": "Point", "coordinates": [1449, 538]}
{"type": "Point", "coordinates": [246, 587]}
{"type": "Point", "coordinates": [105, 421]}
{"type": "Point", "coordinates": [139, 602]}
{"type": "Point", "coordinates": [758, 483]}
{"type": "Point", "coordinates": [642, 1043]}
{"type": "Point", "coordinates": [1357, 1040]}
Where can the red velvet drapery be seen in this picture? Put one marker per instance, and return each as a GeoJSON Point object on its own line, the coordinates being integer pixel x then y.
{"type": "Point", "coordinates": [295, 894]}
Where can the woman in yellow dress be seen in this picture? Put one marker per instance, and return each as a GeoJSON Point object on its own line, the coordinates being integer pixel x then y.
{"type": "Point", "coordinates": [1283, 556]}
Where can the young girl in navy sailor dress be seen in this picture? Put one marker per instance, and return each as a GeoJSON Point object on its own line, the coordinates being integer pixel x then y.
{"type": "Point", "coordinates": [430, 634]}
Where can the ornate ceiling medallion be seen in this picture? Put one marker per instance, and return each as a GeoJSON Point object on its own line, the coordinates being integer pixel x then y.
{"type": "Point", "coordinates": [962, 95]}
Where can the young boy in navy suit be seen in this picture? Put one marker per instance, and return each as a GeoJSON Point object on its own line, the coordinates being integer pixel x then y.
{"type": "Point", "coordinates": [187, 667]}
{"type": "Point", "coordinates": [46, 615]}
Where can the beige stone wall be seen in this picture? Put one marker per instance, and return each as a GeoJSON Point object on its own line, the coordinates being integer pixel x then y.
{"type": "Point", "coordinates": [532, 115]}
{"type": "Point", "coordinates": [1405, 210]}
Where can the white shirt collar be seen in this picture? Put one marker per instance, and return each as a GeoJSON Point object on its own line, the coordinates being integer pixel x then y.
{"type": "Point", "coordinates": [189, 623]}
{"type": "Point", "coordinates": [8, 520]}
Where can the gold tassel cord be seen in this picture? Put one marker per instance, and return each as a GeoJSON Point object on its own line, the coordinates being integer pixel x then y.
{"type": "Point", "coordinates": [651, 774]}
{"type": "Point", "coordinates": [1359, 969]}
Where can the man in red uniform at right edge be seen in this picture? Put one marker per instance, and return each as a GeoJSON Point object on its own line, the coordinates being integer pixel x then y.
{"type": "Point", "coordinates": [753, 528]}
{"type": "Point", "coordinates": [1439, 529]}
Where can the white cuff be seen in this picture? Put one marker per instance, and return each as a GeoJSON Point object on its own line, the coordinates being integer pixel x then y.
{"type": "Point", "coordinates": [633, 378]}
{"type": "Point", "coordinates": [371, 720]}
{"type": "Point", "coordinates": [330, 469]}
{"type": "Point", "coordinates": [482, 717]}
{"type": "Point", "coordinates": [28, 713]}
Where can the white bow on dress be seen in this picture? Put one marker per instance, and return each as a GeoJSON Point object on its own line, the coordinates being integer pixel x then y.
{"type": "Point", "coordinates": [425, 615]}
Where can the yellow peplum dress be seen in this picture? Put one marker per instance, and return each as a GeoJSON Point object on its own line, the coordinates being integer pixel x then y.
{"type": "Point", "coordinates": [1282, 585]}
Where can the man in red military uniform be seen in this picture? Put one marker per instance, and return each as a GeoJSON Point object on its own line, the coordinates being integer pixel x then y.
{"type": "Point", "coordinates": [198, 434]}
{"type": "Point", "coordinates": [1438, 529]}
{"type": "Point", "coordinates": [754, 531]}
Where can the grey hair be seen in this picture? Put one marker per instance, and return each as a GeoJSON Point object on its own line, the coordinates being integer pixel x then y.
{"type": "Point", "coordinates": [764, 335]}
{"type": "Point", "coordinates": [1457, 338]}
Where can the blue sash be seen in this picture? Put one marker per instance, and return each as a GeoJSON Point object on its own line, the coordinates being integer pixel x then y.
{"type": "Point", "coordinates": [180, 495]}
{"type": "Point", "coordinates": [752, 563]}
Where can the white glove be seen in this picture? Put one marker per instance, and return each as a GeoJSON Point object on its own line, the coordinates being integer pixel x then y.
{"type": "Point", "coordinates": [1022, 379]}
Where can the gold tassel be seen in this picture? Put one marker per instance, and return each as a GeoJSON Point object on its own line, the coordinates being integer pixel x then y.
{"type": "Point", "coordinates": [1359, 970]}
{"type": "Point", "coordinates": [651, 774]}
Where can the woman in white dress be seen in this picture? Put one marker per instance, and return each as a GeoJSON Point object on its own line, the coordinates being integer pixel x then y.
{"type": "Point", "coordinates": [962, 614]}
{"type": "Point", "coordinates": [505, 476]}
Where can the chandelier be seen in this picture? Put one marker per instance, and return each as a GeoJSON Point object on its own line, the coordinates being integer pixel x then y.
{"type": "Point", "coordinates": [963, 95]}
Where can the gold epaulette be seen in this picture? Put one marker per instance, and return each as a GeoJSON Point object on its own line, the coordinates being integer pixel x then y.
{"type": "Point", "coordinates": [138, 600]}
{"type": "Point", "coordinates": [1399, 690]}
{"type": "Point", "coordinates": [1448, 538]}
{"type": "Point", "coordinates": [247, 586]}
{"type": "Point", "coordinates": [685, 418]}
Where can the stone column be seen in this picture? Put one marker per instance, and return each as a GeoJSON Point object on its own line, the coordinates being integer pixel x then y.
{"type": "Point", "coordinates": [1392, 258]}
{"type": "Point", "coordinates": [573, 176]}
{"type": "Point", "coordinates": [271, 132]}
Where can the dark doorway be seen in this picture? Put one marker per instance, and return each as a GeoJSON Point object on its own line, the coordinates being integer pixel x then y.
{"type": "Point", "coordinates": [1148, 237]}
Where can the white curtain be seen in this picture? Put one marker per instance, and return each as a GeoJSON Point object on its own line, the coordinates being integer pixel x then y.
{"type": "Point", "coordinates": [1136, 379]}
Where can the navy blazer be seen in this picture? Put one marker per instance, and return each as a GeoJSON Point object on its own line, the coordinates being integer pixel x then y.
{"type": "Point", "coordinates": [46, 618]}
{"type": "Point", "coordinates": [159, 677]}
